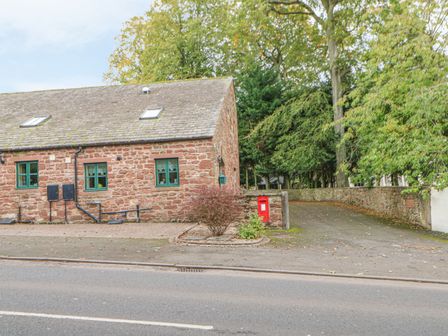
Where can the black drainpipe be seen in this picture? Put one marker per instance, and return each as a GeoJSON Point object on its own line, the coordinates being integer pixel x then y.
{"type": "Point", "coordinates": [78, 206]}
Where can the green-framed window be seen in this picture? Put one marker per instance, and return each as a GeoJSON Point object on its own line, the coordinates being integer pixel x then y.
{"type": "Point", "coordinates": [167, 173]}
{"type": "Point", "coordinates": [95, 176]}
{"type": "Point", "coordinates": [27, 173]}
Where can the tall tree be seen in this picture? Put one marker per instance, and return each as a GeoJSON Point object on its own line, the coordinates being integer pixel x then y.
{"type": "Point", "coordinates": [179, 39]}
{"type": "Point", "coordinates": [301, 139]}
{"type": "Point", "coordinates": [260, 91]}
{"type": "Point", "coordinates": [281, 43]}
{"type": "Point", "coordinates": [176, 39]}
{"type": "Point", "coordinates": [399, 119]}
{"type": "Point", "coordinates": [335, 20]}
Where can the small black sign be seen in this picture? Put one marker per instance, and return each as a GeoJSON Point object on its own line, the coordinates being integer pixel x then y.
{"type": "Point", "coordinates": [53, 193]}
{"type": "Point", "coordinates": [68, 191]}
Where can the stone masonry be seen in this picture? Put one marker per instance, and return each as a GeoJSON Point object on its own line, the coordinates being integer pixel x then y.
{"type": "Point", "coordinates": [278, 206]}
{"type": "Point", "coordinates": [131, 175]}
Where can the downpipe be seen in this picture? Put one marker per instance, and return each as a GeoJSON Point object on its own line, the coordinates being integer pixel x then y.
{"type": "Point", "coordinates": [78, 206]}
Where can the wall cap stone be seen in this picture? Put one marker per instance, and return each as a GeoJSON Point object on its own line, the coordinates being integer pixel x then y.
{"type": "Point", "coordinates": [255, 193]}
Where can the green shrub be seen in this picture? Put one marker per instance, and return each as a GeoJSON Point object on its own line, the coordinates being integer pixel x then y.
{"type": "Point", "coordinates": [253, 229]}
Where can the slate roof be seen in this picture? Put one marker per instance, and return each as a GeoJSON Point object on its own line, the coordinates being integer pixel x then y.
{"type": "Point", "coordinates": [111, 114]}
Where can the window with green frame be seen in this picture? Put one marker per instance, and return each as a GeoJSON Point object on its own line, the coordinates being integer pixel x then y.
{"type": "Point", "coordinates": [27, 175]}
{"type": "Point", "coordinates": [167, 173]}
{"type": "Point", "coordinates": [95, 176]}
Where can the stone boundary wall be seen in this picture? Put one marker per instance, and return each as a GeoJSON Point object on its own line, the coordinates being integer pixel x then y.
{"type": "Point", "coordinates": [386, 201]}
{"type": "Point", "coordinates": [278, 206]}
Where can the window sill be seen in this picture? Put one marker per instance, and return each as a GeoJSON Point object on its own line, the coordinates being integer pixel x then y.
{"type": "Point", "coordinates": [170, 188]}
{"type": "Point", "coordinates": [27, 189]}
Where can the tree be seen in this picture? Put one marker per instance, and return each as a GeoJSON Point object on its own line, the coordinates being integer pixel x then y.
{"type": "Point", "coordinates": [176, 39]}
{"type": "Point", "coordinates": [399, 119]}
{"type": "Point", "coordinates": [281, 43]}
{"type": "Point", "coordinates": [301, 137]}
{"type": "Point", "coordinates": [335, 20]}
{"type": "Point", "coordinates": [181, 39]}
{"type": "Point", "coordinates": [259, 92]}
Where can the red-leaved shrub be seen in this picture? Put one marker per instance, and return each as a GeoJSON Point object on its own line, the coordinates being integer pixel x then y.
{"type": "Point", "coordinates": [216, 207]}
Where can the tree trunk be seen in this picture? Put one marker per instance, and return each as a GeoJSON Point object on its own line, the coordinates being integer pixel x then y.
{"type": "Point", "coordinates": [255, 179]}
{"type": "Point", "coordinates": [247, 178]}
{"type": "Point", "coordinates": [336, 87]}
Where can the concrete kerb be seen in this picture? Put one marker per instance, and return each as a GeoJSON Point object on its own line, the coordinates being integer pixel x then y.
{"type": "Point", "coordinates": [251, 242]}
{"type": "Point", "coordinates": [223, 268]}
{"type": "Point", "coordinates": [174, 240]}
{"type": "Point", "coordinates": [206, 243]}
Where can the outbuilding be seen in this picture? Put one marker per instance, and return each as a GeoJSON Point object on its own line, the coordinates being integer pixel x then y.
{"type": "Point", "coordinates": [75, 155]}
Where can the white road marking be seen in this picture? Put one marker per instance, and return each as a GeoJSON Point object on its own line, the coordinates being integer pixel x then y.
{"type": "Point", "coordinates": [101, 319]}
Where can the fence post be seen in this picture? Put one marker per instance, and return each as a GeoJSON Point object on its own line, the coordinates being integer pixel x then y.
{"type": "Point", "coordinates": [285, 210]}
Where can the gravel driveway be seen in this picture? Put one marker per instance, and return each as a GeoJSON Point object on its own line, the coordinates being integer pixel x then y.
{"type": "Point", "coordinates": [331, 238]}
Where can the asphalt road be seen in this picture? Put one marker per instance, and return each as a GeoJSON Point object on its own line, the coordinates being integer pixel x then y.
{"type": "Point", "coordinates": [52, 299]}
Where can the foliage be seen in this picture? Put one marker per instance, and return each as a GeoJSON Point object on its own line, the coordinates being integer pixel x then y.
{"type": "Point", "coordinates": [399, 122]}
{"type": "Point", "coordinates": [254, 228]}
{"type": "Point", "coordinates": [336, 21]}
{"type": "Point", "coordinates": [176, 39]}
{"type": "Point", "coordinates": [302, 139]}
{"type": "Point", "coordinates": [181, 39]}
{"type": "Point", "coordinates": [300, 66]}
{"type": "Point", "coordinates": [259, 92]}
{"type": "Point", "coordinates": [281, 43]}
{"type": "Point", "coordinates": [215, 207]}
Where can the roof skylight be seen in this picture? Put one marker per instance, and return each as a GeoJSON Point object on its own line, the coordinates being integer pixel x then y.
{"type": "Point", "coordinates": [152, 113]}
{"type": "Point", "coordinates": [36, 121]}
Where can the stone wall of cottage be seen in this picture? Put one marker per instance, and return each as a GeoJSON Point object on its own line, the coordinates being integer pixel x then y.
{"type": "Point", "coordinates": [131, 176]}
{"type": "Point", "coordinates": [131, 181]}
{"type": "Point", "coordinates": [386, 201]}
{"type": "Point", "coordinates": [226, 141]}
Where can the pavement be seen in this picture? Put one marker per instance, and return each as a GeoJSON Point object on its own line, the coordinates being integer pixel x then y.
{"type": "Point", "coordinates": [326, 238]}
{"type": "Point", "coordinates": [54, 299]}
{"type": "Point", "coordinates": [129, 230]}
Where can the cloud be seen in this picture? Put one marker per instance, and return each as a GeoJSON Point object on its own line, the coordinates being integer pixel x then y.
{"type": "Point", "coordinates": [30, 24]}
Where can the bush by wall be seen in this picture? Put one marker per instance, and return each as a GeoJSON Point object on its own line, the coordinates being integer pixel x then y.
{"type": "Point", "coordinates": [254, 228]}
{"type": "Point", "coordinates": [216, 207]}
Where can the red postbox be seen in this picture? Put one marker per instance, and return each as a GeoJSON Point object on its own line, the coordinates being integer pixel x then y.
{"type": "Point", "coordinates": [263, 208]}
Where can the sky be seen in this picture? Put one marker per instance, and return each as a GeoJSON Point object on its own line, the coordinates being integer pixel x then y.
{"type": "Point", "coordinates": [48, 44]}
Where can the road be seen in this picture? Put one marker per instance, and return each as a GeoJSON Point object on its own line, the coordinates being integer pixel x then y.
{"type": "Point", "coordinates": [55, 299]}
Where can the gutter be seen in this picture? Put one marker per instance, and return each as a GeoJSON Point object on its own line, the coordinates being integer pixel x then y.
{"type": "Point", "coordinates": [198, 268]}
{"type": "Point", "coordinates": [107, 143]}
{"type": "Point", "coordinates": [78, 206]}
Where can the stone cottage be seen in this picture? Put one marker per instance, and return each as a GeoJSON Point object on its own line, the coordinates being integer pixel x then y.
{"type": "Point", "coordinates": [97, 150]}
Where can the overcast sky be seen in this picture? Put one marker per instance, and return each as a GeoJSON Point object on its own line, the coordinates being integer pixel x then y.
{"type": "Point", "coordinates": [48, 44]}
